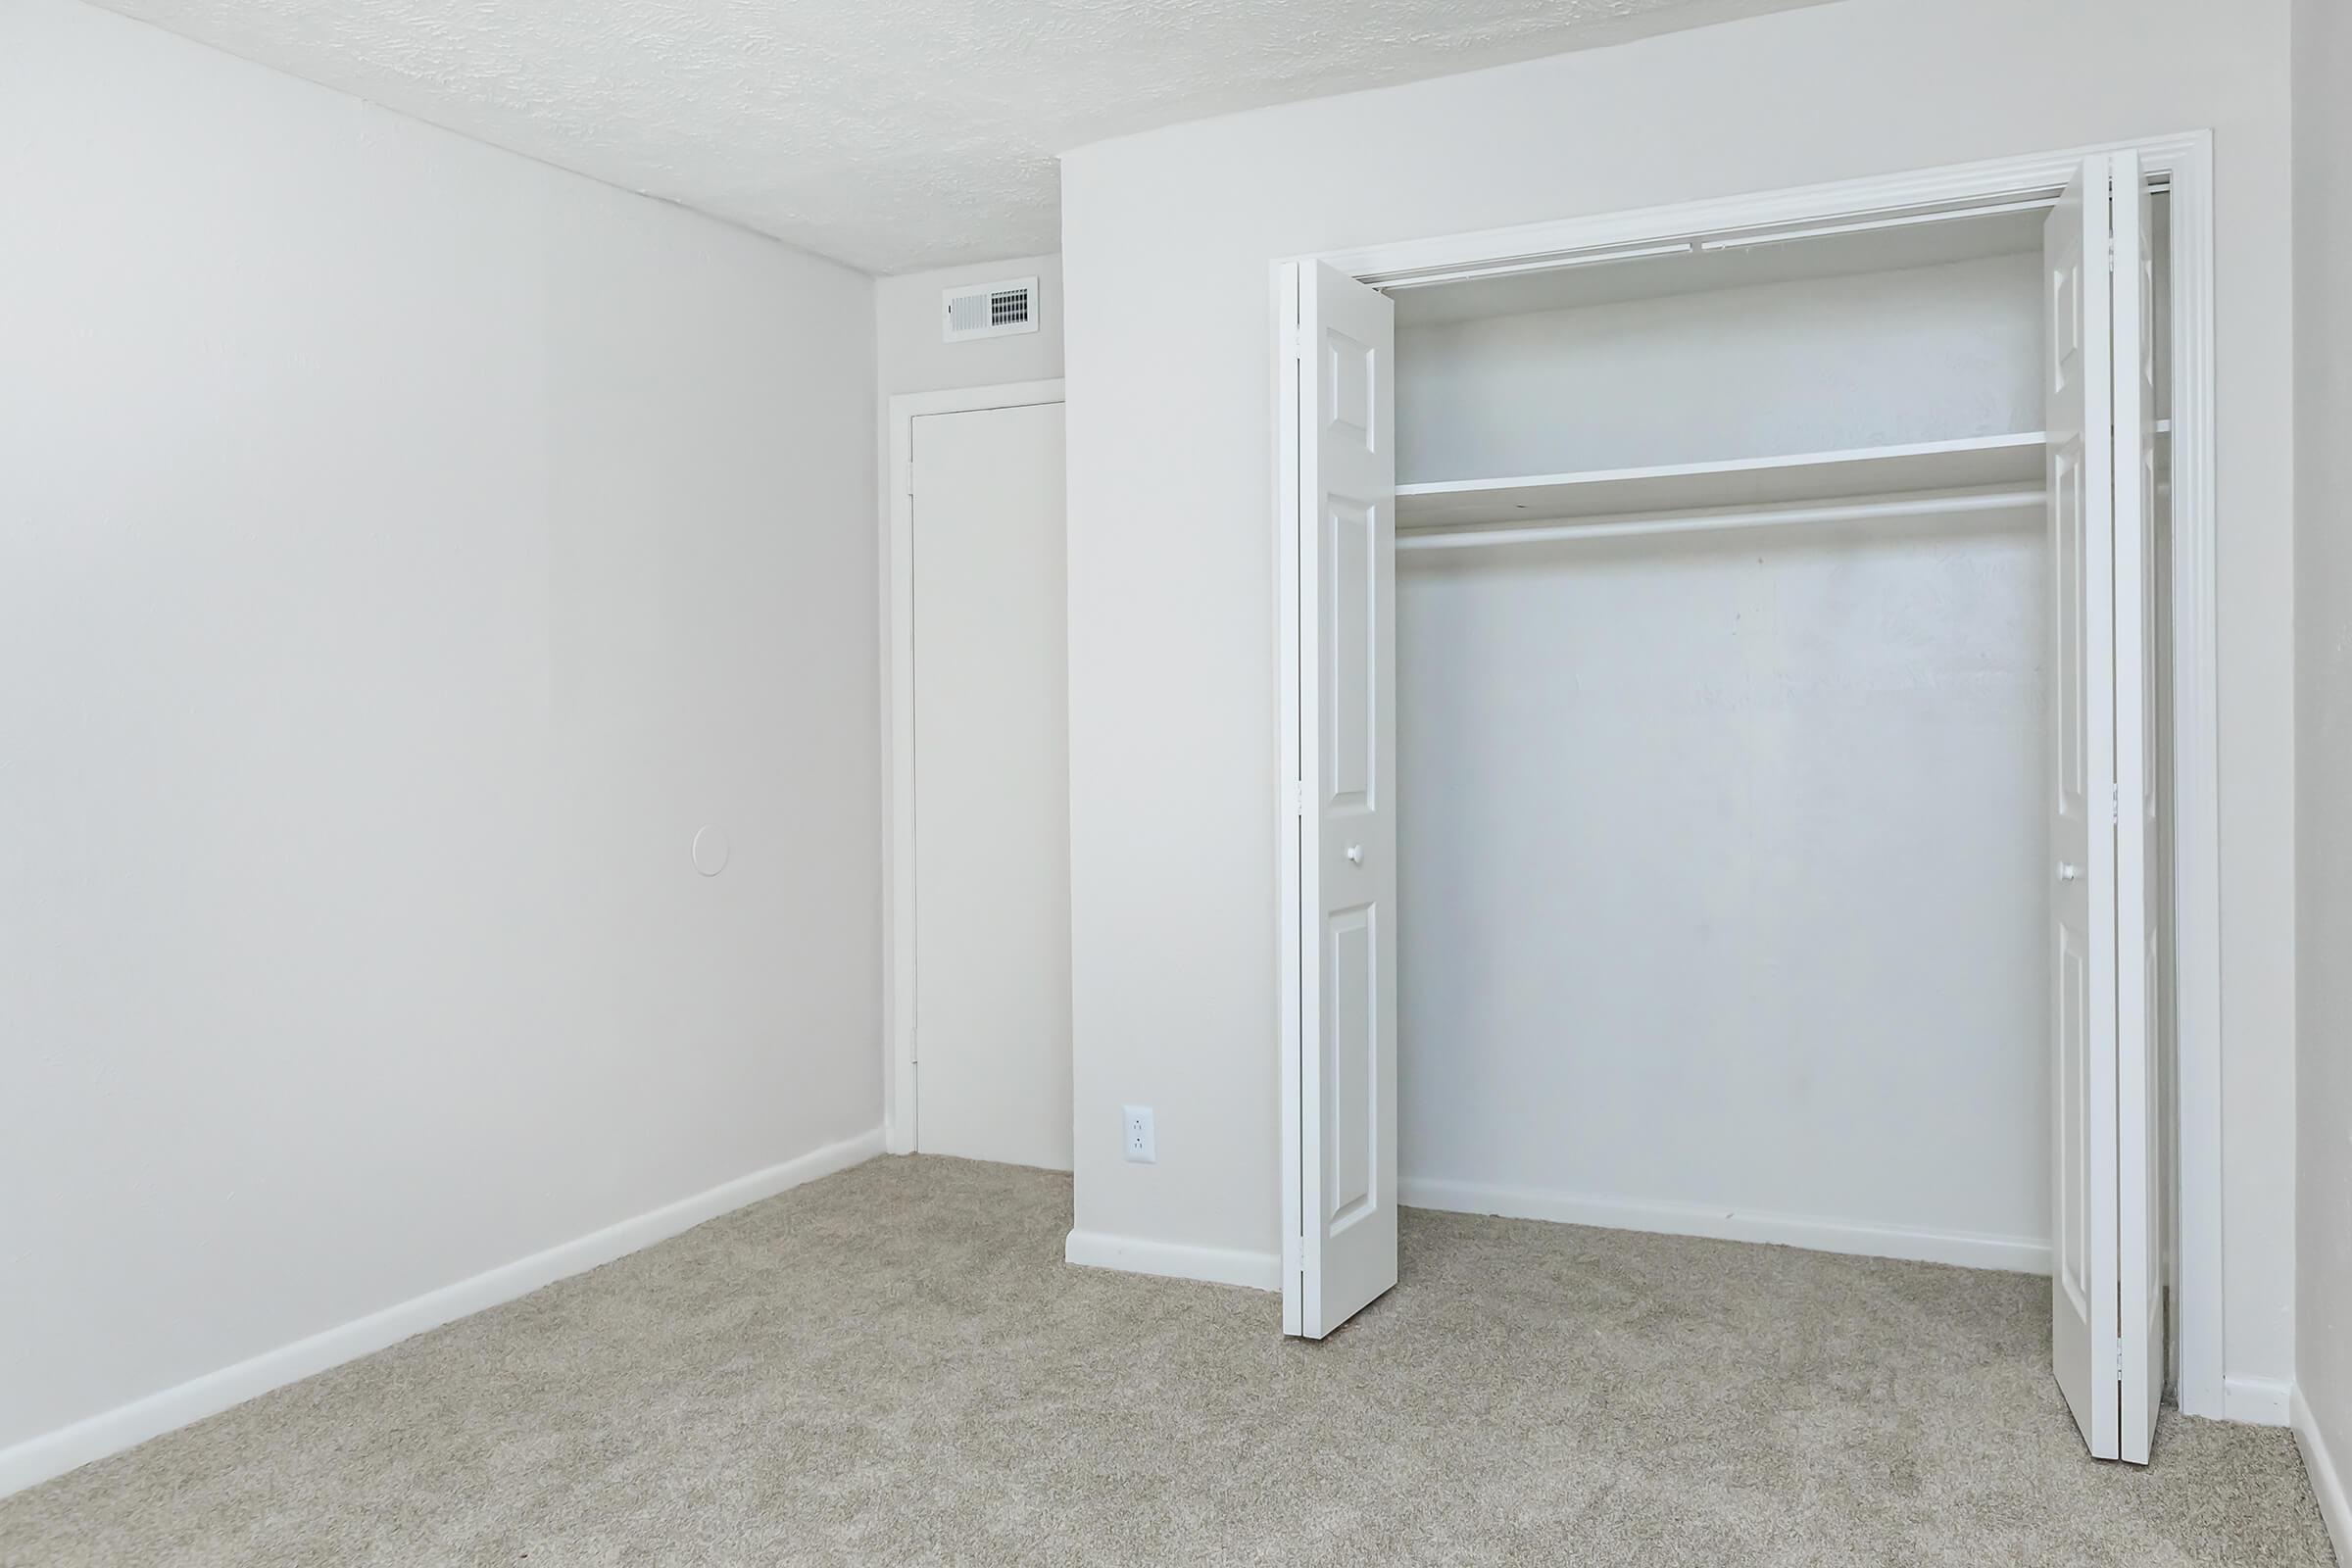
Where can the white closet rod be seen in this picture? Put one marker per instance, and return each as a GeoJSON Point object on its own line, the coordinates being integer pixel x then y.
{"type": "Point", "coordinates": [1865, 225]}
{"type": "Point", "coordinates": [1706, 521]}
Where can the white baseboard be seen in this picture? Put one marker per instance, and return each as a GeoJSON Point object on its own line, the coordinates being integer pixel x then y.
{"type": "Point", "coordinates": [2256, 1402]}
{"type": "Point", "coordinates": [1968, 1250]}
{"type": "Point", "coordinates": [1218, 1265]}
{"type": "Point", "coordinates": [53, 1453]}
{"type": "Point", "coordinates": [2327, 1483]}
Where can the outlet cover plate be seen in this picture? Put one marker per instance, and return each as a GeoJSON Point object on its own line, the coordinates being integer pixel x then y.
{"type": "Point", "coordinates": [1136, 1136]}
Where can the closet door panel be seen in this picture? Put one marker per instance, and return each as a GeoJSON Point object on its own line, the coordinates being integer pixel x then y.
{"type": "Point", "coordinates": [1340, 1087]}
{"type": "Point", "coordinates": [2080, 413]}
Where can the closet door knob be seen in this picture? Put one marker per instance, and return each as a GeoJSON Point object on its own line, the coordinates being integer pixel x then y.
{"type": "Point", "coordinates": [1355, 854]}
{"type": "Point", "coordinates": [2067, 870]}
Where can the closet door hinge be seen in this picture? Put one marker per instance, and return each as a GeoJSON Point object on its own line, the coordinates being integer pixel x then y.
{"type": "Point", "coordinates": [1297, 790]}
{"type": "Point", "coordinates": [1293, 337]}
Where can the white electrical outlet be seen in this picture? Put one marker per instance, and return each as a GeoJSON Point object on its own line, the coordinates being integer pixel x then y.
{"type": "Point", "coordinates": [1135, 1130]}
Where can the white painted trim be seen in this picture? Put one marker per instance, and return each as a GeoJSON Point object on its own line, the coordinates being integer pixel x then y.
{"type": "Point", "coordinates": [899, 1118]}
{"type": "Point", "coordinates": [2256, 1402]}
{"type": "Point", "coordinates": [1965, 1249]}
{"type": "Point", "coordinates": [53, 1453]}
{"type": "Point", "coordinates": [2328, 1481]}
{"type": "Point", "coordinates": [2198, 1320]}
{"type": "Point", "coordinates": [1218, 1265]}
{"type": "Point", "coordinates": [2184, 160]}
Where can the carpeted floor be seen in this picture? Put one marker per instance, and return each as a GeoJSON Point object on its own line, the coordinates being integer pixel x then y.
{"type": "Point", "coordinates": [894, 1365]}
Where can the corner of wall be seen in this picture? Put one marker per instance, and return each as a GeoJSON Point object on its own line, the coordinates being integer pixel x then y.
{"type": "Point", "coordinates": [53, 1453]}
{"type": "Point", "coordinates": [2328, 1480]}
{"type": "Point", "coordinates": [2320, 49]}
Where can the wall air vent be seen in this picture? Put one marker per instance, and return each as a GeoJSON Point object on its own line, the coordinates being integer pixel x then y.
{"type": "Point", "coordinates": [988, 309]}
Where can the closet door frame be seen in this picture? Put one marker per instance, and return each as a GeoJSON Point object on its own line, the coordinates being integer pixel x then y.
{"type": "Point", "coordinates": [2182, 162]}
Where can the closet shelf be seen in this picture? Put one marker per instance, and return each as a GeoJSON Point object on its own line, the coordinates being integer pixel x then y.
{"type": "Point", "coordinates": [1815, 476]}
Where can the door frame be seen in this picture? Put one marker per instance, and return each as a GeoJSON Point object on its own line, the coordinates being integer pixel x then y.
{"type": "Point", "coordinates": [2183, 161]}
{"type": "Point", "coordinates": [897, 586]}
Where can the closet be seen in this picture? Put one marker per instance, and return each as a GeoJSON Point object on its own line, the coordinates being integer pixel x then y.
{"type": "Point", "coordinates": [1725, 741]}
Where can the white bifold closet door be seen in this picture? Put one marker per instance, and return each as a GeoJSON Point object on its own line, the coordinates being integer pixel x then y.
{"type": "Point", "coordinates": [2106, 1299]}
{"type": "Point", "coordinates": [1340, 1078]}
{"type": "Point", "coordinates": [1338, 490]}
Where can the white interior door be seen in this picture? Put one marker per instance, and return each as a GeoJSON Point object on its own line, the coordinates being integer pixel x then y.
{"type": "Point", "coordinates": [2100, 421]}
{"type": "Point", "coordinates": [1340, 1073]}
{"type": "Point", "coordinates": [991, 795]}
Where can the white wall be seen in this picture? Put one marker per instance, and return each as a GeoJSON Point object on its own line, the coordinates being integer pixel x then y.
{"type": "Point", "coordinates": [1171, 561]}
{"type": "Point", "coordinates": [1721, 856]}
{"type": "Point", "coordinates": [1920, 354]}
{"type": "Point", "coordinates": [2323, 37]}
{"type": "Point", "coordinates": [910, 357]}
{"type": "Point", "coordinates": [404, 549]}
{"type": "Point", "coordinates": [1721, 862]}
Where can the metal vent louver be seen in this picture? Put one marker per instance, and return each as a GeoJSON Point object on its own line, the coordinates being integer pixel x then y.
{"type": "Point", "coordinates": [988, 310]}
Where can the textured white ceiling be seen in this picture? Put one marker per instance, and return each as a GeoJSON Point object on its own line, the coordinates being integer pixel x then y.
{"type": "Point", "coordinates": [889, 134]}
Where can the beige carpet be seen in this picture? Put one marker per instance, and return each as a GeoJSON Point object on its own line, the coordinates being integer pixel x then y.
{"type": "Point", "coordinates": [894, 1365]}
